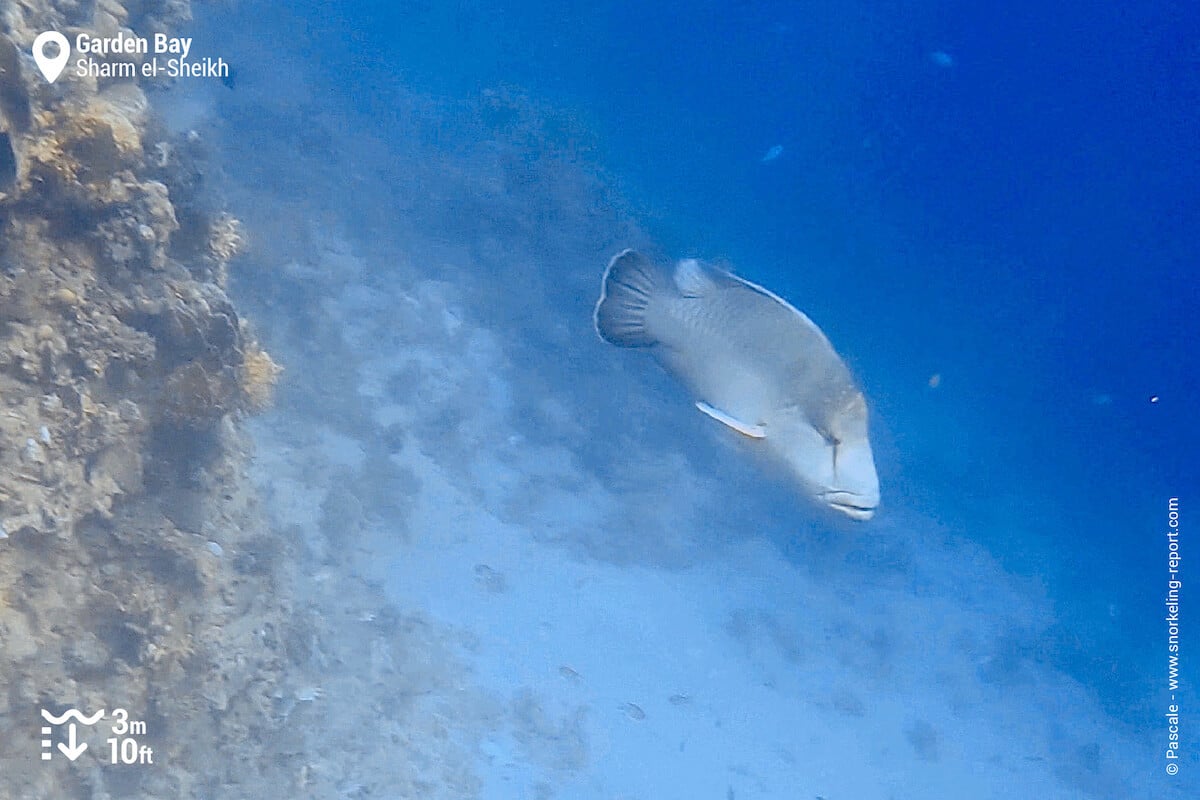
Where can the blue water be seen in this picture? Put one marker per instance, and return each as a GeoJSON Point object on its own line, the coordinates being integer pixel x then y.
{"type": "Point", "coordinates": [1020, 220]}
{"type": "Point", "coordinates": [1003, 197]}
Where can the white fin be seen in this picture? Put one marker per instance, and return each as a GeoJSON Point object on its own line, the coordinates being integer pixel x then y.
{"type": "Point", "coordinates": [691, 279]}
{"type": "Point", "coordinates": [629, 283]}
{"type": "Point", "coordinates": [753, 431]}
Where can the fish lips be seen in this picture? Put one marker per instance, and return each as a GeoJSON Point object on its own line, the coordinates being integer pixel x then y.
{"type": "Point", "coordinates": [855, 506]}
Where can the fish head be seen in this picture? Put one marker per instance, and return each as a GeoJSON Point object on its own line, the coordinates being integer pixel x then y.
{"type": "Point", "coordinates": [832, 459]}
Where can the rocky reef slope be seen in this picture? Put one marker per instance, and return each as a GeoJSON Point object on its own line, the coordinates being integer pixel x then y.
{"type": "Point", "coordinates": [135, 567]}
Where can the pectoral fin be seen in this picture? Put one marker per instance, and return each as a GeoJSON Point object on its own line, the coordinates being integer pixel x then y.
{"type": "Point", "coordinates": [753, 431]}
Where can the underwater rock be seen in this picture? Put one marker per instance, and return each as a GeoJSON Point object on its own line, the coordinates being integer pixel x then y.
{"type": "Point", "coordinates": [14, 98]}
{"type": "Point", "coordinates": [197, 396]}
{"type": "Point", "coordinates": [87, 152]}
{"type": "Point", "coordinates": [122, 108]}
{"type": "Point", "coordinates": [124, 369]}
{"type": "Point", "coordinates": [8, 164]}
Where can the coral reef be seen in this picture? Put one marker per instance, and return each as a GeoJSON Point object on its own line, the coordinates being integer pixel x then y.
{"type": "Point", "coordinates": [257, 378]}
{"type": "Point", "coordinates": [227, 238]}
{"type": "Point", "coordinates": [135, 564]}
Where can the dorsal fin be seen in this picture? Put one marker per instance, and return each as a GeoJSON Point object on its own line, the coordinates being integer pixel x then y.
{"type": "Point", "coordinates": [691, 278]}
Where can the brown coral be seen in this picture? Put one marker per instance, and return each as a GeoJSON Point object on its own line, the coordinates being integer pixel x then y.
{"type": "Point", "coordinates": [196, 395]}
{"type": "Point", "coordinates": [226, 237]}
{"type": "Point", "coordinates": [258, 376]}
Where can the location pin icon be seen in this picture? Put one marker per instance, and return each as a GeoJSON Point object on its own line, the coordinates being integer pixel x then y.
{"type": "Point", "coordinates": [51, 67]}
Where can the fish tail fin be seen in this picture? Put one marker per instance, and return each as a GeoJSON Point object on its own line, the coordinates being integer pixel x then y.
{"type": "Point", "coordinates": [630, 281]}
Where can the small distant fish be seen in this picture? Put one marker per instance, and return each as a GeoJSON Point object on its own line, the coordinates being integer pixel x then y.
{"type": "Point", "coordinates": [230, 78]}
{"type": "Point", "coordinates": [755, 364]}
{"type": "Point", "coordinates": [941, 58]}
{"type": "Point", "coordinates": [569, 673]}
{"type": "Point", "coordinates": [679, 699]}
{"type": "Point", "coordinates": [489, 579]}
{"type": "Point", "coordinates": [935, 380]}
{"type": "Point", "coordinates": [633, 711]}
{"type": "Point", "coordinates": [772, 154]}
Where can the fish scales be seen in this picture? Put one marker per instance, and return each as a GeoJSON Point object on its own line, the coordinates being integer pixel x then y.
{"type": "Point", "coordinates": [734, 339]}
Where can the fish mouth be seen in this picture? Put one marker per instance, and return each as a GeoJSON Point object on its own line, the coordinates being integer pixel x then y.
{"type": "Point", "coordinates": [852, 505]}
